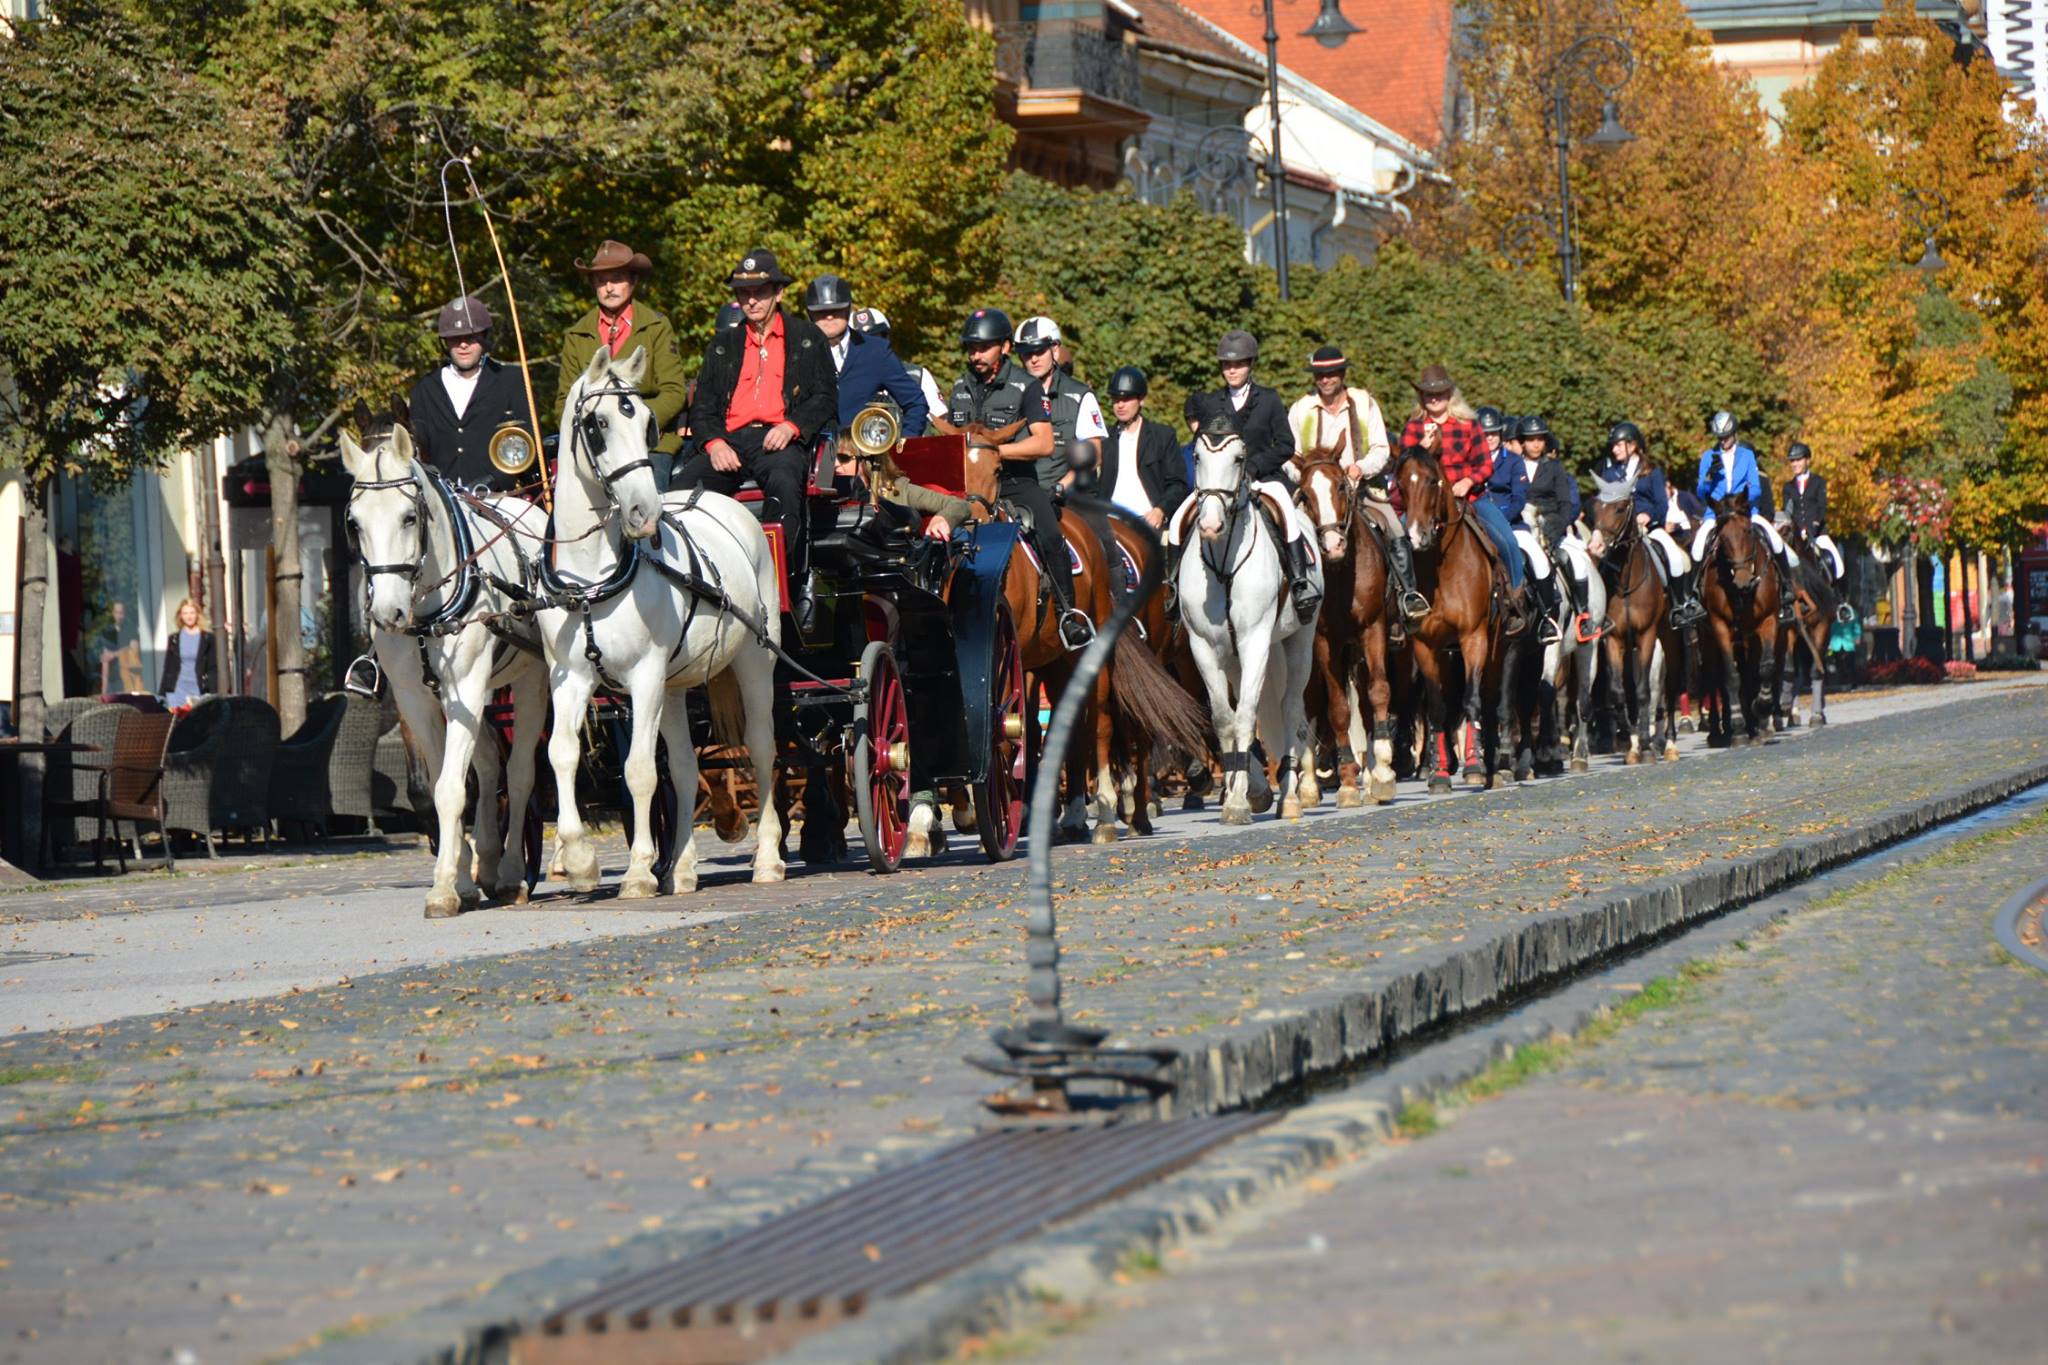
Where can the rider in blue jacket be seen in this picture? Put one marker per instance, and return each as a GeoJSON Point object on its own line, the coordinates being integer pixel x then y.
{"type": "Point", "coordinates": [1656, 512]}
{"type": "Point", "coordinates": [1729, 467]}
{"type": "Point", "coordinates": [867, 366]}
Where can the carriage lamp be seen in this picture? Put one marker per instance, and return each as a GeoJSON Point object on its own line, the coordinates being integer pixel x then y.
{"type": "Point", "coordinates": [513, 450]}
{"type": "Point", "coordinates": [874, 430]}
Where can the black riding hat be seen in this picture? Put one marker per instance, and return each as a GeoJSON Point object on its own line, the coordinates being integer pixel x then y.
{"type": "Point", "coordinates": [1492, 420]}
{"type": "Point", "coordinates": [985, 327]}
{"type": "Point", "coordinates": [1624, 431]}
{"type": "Point", "coordinates": [1129, 382]}
{"type": "Point", "coordinates": [826, 294]}
{"type": "Point", "coordinates": [1536, 429]}
{"type": "Point", "coordinates": [1799, 450]}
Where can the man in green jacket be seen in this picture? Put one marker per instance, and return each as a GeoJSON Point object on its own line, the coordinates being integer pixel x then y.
{"type": "Point", "coordinates": [616, 271]}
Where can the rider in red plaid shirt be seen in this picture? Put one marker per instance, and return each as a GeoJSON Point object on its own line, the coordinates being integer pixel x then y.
{"type": "Point", "coordinates": [1445, 427]}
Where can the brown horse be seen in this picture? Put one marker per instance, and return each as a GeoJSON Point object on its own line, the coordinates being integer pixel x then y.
{"type": "Point", "coordinates": [1740, 641]}
{"type": "Point", "coordinates": [1137, 736]}
{"type": "Point", "coordinates": [1455, 571]}
{"type": "Point", "coordinates": [1351, 631]}
{"type": "Point", "coordinates": [1804, 645]}
{"type": "Point", "coordinates": [1642, 648]}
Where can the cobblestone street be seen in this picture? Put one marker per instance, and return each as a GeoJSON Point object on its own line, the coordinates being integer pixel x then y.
{"type": "Point", "coordinates": [385, 1113]}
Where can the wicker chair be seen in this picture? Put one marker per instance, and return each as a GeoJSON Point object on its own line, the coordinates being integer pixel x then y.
{"type": "Point", "coordinates": [72, 783]}
{"type": "Point", "coordinates": [134, 784]}
{"type": "Point", "coordinates": [398, 782]}
{"type": "Point", "coordinates": [324, 769]}
{"type": "Point", "coordinates": [217, 774]}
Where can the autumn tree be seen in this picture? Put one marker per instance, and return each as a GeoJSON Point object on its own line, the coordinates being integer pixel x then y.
{"type": "Point", "coordinates": [144, 251]}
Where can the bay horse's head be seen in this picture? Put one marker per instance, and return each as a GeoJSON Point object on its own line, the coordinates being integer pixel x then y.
{"type": "Point", "coordinates": [612, 431]}
{"type": "Point", "coordinates": [1326, 493]}
{"type": "Point", "coordinates": [1614, 516]}
{"type": "Point", "coordinates": [1219, 475]}
{"type": "Point", "coordinates": [1737, 545]}
{"type": "Point", "coordinates": [1426, 497]}
{"type": "Point", "coordinates": [387, 517]}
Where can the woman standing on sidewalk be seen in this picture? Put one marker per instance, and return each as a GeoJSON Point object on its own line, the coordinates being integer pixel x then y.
{"type": "Point", "coordinates": [188, 659]}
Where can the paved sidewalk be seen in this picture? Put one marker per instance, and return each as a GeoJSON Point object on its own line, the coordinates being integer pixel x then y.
{"type": "Point", "coordinates": [240, 1177]}
{"type": "Point", "coordinates": [1835, 1148]}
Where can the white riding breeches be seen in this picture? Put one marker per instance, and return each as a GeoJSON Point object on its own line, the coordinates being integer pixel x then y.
{"type": "Point", "coordinates": [1826, 545]}
{"type": "Point", "coordinates": [1770, 533]}
{"type": "Point", "coordinates": [1675, 559]}
{"type": "Point", "coordinates": [1539, 562]}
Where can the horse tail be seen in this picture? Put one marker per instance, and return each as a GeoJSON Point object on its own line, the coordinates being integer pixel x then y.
{"type": "Point", "coordinates": [728, 709]}
{"type": "Point", "coordinates": [1151, 700]}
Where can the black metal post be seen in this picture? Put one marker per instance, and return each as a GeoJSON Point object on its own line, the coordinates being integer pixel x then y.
{"type": "Point", "coordinates": [1274, 171]}
{"type": "Point", "coordinates": [1560, 114]}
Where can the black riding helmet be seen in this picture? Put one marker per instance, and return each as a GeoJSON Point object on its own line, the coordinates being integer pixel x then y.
{"type": "Point", "coordinates": [985, 327]}
{"type": "Point", "coordinates": [1624, 431]}
{"type": "Point", "coordinates": [1535, 429]}
{"type": "Point", "coordinates": [826, 294]}
{"type": "Point", "coordinates": [1799, 450]}
{"type": "Point", "coordinates": [1129, 382]}
{"type": "Point", "coordinates": [1492, 420]}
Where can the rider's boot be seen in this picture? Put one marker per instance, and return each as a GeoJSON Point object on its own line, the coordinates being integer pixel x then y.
{"type": "Point", "coordinates": [1401, 556]}
{"type": "Point", "coordinates": [1545, 594]}
{"type": "Point", "coordinates": [1076, 630]}
{"type": "Point", "coordinates": [1306, 592]}
{"type": "Point", "coordinates": [1686, 609]}
{"type": "Point", "coordinates": [1788, 602]}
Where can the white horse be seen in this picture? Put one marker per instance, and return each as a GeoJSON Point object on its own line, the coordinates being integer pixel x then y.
{"type": "Point", "coordinates": [430, 563]}
{"type": "Point", "coordinates": [1253, 650]}
{"type": "Point", "coordinates": [669, 594]}
{"type": "Point", "coordinates": [1570, 651]}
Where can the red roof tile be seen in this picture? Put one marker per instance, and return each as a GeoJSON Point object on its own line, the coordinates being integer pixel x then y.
{"type": "Point", "coordinates": [1395, 72]}
{"type": "Point", "coordinates": [1165, 22]}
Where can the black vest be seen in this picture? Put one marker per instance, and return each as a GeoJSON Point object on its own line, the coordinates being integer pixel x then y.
{"type": "Point", "coordinates": [995, 404]}
{"type": "Point", "coordinates": [1064, 394]}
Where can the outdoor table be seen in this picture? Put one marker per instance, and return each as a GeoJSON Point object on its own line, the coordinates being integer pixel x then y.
{"type": "Point", "coordinates": [11, 750]}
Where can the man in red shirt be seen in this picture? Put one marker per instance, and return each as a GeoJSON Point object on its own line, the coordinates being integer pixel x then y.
{"type": "Point", "coordinates": [765, 390]}
{"type": "Point", "coordinates": [1444, 425]}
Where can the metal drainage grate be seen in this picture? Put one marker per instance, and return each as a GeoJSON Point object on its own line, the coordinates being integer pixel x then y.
{"type": "Point", "coordinates": [759, 1292]}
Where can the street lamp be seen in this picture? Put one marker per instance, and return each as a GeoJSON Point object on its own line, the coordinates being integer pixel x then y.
{"type": "Point", "coordinates": [1330, 29]}
{"type": "Point", "coordinates": [1589, 60]}
{"type": "Point", "coordinates": [1925, 220]}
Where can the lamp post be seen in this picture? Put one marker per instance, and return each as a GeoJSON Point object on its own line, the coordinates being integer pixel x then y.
{"type": "Point", "coordinates": [1330, 29]}
{"type": "Point", "coordinates": [1589, 59]}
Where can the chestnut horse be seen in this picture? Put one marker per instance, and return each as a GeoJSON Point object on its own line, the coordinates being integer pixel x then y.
{"type": "Point", "coordinates": [1454, 570]}
{"type": "Point", "coordinates": [1741, 646]}
{"type": "Point", "coordinates": [1816, 606]}
{"type": "Point", "coordinates": [1351, 630]}
{"type": "Point", "coordinates": [1137, 738]}
{"type": "Point", "coordinates": [1642, 648]}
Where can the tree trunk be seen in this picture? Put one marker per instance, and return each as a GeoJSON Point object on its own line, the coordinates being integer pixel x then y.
{"type": "Point", "coordinates": [28, 703]}
{"type": "Point", "coordinates": [281, 459]}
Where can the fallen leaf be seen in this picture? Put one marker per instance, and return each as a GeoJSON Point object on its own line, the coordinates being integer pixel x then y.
{"type": "Point", "coordinates": [386, 1177]}
{"type": "Point", "coordinates": [286, 1023]}
{"type": "Point", "coordinates": [871, 1251]}
{"type": "Point", "coordinates": [268, 1187]}
{"type": "Point", "coordinates": [700, 1182]}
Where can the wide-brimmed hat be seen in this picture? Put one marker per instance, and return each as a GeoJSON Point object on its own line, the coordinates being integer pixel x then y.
{"type": "Point", "coordinates": [616, 256]}
{"type": "Point", "coordinates": [1328, 360]}
{"type": "Point", "coordinates": [759, 267]}
{"type": "Point", "coordinates": [1434, 380]}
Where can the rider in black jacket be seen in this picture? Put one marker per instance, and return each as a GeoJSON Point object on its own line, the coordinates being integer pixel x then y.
{"type": "Point", "coordinates": [1261, 421]}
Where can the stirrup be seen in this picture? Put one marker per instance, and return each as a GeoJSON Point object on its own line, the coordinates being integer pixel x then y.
{"type": "Point", "coordinates": [1583, 635]}
{"type": "Point", "coordinates": [363, 684]}
{"type": "Point", "coordinates": [1074, 622]}
{"type": "Point", "coordinates": [1549, 634]}
{"type": "Point", "coordinates": [1844, 613]}
{"type": "Point", "coordinates": [1414, 605]}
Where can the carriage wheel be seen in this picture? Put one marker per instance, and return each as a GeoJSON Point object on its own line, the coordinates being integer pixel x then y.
{"type": "Point", "coordinates": [999, 794]}
{"type": "Point", "coordinates": [881, 760]}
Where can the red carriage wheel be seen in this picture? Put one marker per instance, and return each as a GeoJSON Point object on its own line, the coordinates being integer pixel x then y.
{"type": "Point", "coordinates": [881, 760]}
{"type": "Point", "coordinates": [999, 794]}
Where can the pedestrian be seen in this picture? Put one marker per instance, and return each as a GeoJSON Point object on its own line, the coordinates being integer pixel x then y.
{"type": "Point", "coordinates": [994, 392]}
{"type": "Point", "coordinates": [1806, 505]}
{"type": "Point", "coordinates": [764, 394]}
{"type": "Point", "coordinates": [1260, 419]}
{"type": "Point", "coordinates": [1076, 414]}
{"type": "Point", "coordinates": [620, 322]}
{"type": "Point", "coordinates": [120, 654]}
{"type": "Point", "coordinates": [188, 659]}
{"type": "Point", "coordinates": [866, 366]}
{"type": "Point", "coordinates": [1443, 424]}
{"type": "Point", "coordinates": [458, 411]}
{"type": "Point", "coordinates": [1142, 470]}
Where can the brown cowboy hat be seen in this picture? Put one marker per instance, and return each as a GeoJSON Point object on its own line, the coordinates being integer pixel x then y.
{"type": "Point", "coordinates": [616, 256]}
{"type": "Point", "coordinates": [1434, 380]}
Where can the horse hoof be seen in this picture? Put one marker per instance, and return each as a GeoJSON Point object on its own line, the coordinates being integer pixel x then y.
{"type": "Point", "coordinates": [1580, 765]}
{"type": "Point", "coordinates": [917, 846]}
{"type": "Point", "coordinates": [1381, 792]}
{"type": "Point", "coordinates": [1525, 773]}
{"type": "Point", "coordinates": [1819, 719]}
{"type": "Point", "coordinates": [1193, 802]}
{"type": "Point", "coordinates": [1290, 809]}
{"type": "Point", "coordinates": [1236, 815]}
{"type": "Point", "coordinates": [963, 819]}
{"type": "Point", "coordinates": [639, 887]}
{"type": "Point", "coordinates": [1633, 758]}
{"type": "Point", "coordinates": [1475, 778]}
{"type": "Point", "coordinates": [1348, 798]}
{"type": "Point", "coordinates": [1105, 833]}
{"type": "Point", "coordinates": [1153, 810]}
{"type": "Point", "coordinates": [1671, 753]}
{"type": "Point", "coordinates": [763, 876]}
{"type": "Point", "coordinates": [444, 907]}
{"type": "Point", "coordinates": [1261, 801]}
{"type": "Point", "coordinates": [1440, 784]}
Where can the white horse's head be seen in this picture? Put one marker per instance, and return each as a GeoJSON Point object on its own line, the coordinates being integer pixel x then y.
{"type": "Point", "coordinates": [387, 513]}
{"type": "Point", "coordinates": [612, 430]}
{"type": "Point", "coordinates": [1219, 474]}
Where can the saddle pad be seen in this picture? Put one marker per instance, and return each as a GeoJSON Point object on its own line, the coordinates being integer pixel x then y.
{"type": "Point", "coordinates": [1131, 571]}
{"type": "Point", "coordinates": [1031, 552]}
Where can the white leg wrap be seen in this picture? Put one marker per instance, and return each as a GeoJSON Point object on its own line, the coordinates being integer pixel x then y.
{"type": "Point", "coordinates": [1677, 560]}
{"type": "Point", "coordinates": [1539, 563]}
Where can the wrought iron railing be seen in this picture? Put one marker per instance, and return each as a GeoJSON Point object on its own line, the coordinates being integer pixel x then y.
{"type": "Point", "coordinates": [1067, 57]}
